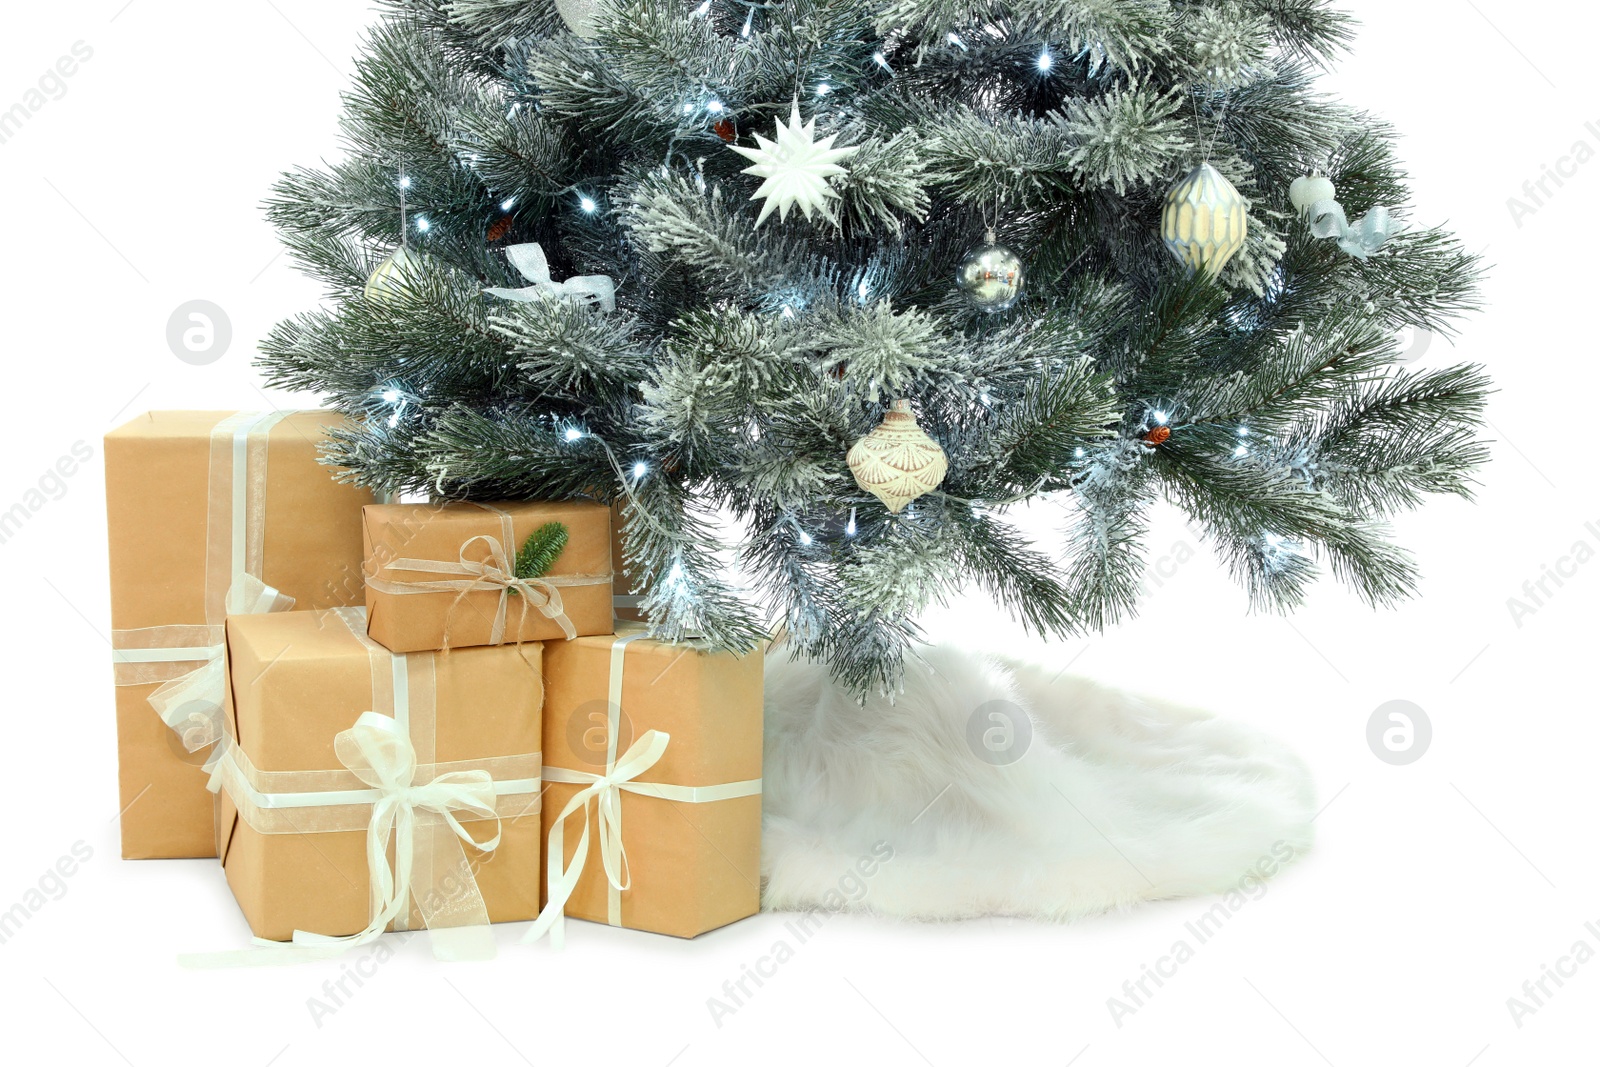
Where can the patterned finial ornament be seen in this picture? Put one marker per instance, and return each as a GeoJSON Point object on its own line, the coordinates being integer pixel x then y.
{"type": "Point", "coordinates": [898, 462]}
{"type": "Point", "coordinates": [1204, 220]}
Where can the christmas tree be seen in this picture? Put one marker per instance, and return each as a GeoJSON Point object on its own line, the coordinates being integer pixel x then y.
{"type": "Point", "coordinates": [689, 255]}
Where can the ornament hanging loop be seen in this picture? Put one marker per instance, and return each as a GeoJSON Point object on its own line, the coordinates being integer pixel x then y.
{"type": "Point", "coordinates": [405, 240]}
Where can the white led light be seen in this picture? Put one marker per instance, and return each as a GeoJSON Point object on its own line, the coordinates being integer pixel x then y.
{"type": "Point", "coordinates": [955, 40]}
{"type": "Point", "coordinates": [805, 538]}
{"type": "Point", "coordinates": [394, 420]}
{"type": "Point", "coordinates": [748, 19]}
{"type": "Point", "coordinates": [574, 434]}
{"type": "Point", "coordinates": [882, 60]}
{"type": "Point", "coordinates": [1241, 451]}
{"type": "Point", "coordinates": [1244, 431]}
{"type": "Point", "coordinates": [1161, 418]}
{"type": "Point", "coordinates": [391, 396]}
{"type": "Point", "coordinates": [688, 109]}
{"type": "Point", "coordinates": [824, 89]}
{"type": "Point", "coordinates": [405, 181]}
{"type": "Point", "coordinates": [508, 203]}
{"type": "Point", "coordinates": [986, 399]}
{"type": "Point", "coordinates": [588, 205]}
{"type": "Point", "coordinates": [1077, 453]}
{"type": "Point", "coordinates": [703, 8]}
{"type": "Point", "coordinates": [788, 312]}
{"type": "Point", "coordinates": [850, 530]}
{"type": "Point", "coordinates": [422, 223]}
{"type": "Point", "coordinates": [640, 469]}
{"type": "Point", "coordinates": [715, 107]}
{"type": "Point", "coordinates": [1045, 61]}
{"type": "Point", "coordinates": [862, 289]}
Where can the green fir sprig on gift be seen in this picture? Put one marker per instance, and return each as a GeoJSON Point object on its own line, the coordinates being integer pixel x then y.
{"type": "Point", "coordinates": [538, 553]}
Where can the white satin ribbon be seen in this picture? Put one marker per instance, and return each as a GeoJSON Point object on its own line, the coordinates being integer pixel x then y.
{"type": "Point", "coordinates": [495, 569]}
{"type": "Point", "coordinates": [190, 702]}
{"type": "Point", "coordinates": [605, 791]}
{"type": "Point", "coordinates": [530, 260]}
{"type": "Point", "coordinates": [378, 753]}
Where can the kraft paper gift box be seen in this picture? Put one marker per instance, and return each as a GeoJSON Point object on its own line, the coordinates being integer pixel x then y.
{"type": "Point", "coordinates": [653, 755]}
{"type": "Point", "coordinates": [204, 508]}
{"type": "Point", "coordinates": [294, 818]}
{"type": "Point", "coordinates": [442, 576]}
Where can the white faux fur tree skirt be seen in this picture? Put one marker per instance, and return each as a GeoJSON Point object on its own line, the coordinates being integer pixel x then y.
{"type": "Point", "coordinates": [912, 808]}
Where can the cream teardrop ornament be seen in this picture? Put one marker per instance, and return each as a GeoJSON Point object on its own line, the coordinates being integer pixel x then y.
{"type": "Point", "coordinates": [898, 462]}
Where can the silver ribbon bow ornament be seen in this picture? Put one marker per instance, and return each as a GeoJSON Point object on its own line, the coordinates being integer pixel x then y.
{"type": "Point", "coordinates": [1361, 238]}
{"type": "Point", "coordinates": [591, 289]}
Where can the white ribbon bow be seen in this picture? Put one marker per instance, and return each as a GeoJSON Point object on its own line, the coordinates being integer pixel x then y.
{"type": "Point", "coordinates": [592, 289]}
{"type": "Point", "coordinates": [430, 864]}
{"type": "Point", "coordinates": [380, 754]}
{"type": "Point", "coordinates": [605, 791]}
{"type": "Point", "coordinates": [192, 704]}
{"type": "Point", "coordinates": [494, 571]}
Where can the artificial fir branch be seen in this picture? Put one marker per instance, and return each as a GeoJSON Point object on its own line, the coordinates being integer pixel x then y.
{"type": "Point", "coordinates": [741, 364]}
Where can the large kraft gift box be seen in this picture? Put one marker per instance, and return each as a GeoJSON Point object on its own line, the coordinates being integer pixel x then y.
{"type": "Point", "coordinates": [439, 575]}
{"type": "Point", "coordinates": [197, 503]}
{"type": "Point", "coordinates": [295, 859]}
{"type": "Point", "coordinates": [690, 823]}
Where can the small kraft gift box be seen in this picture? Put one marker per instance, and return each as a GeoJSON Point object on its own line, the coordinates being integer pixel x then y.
{"type": "Point", "coordinates": [365, 791]}
{"type": "Point", "coordinates": [209, 513]}
{"type": "Point", "coordinates": [469, 574]}
{"type": "Point", "coordinates": [652, 784]}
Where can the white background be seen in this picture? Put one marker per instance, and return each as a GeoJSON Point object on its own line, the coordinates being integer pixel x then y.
{"type": "Point", "coordinates": [1436, 889]}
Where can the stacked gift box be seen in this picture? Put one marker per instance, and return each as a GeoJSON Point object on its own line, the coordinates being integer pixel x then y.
{"type": "Point", "coordinates": [398, 716]}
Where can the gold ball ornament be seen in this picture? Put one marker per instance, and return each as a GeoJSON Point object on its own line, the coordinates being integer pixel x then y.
{"type": "Point", "coordinates": [898, 462]}
{"type": "Point", "coordinates": [991, 276]}
{"type": "Point", "coordinates": [393, 276]}
{"type": "Point", "coordinates": [1204, 220]}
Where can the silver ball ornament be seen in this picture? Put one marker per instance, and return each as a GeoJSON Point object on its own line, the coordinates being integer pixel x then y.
{"type": "Point", "coordinates": [991, 276]}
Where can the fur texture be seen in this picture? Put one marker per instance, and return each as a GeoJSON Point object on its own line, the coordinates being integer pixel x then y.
{"type": "Point", "coordinates": [1115, 800]}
